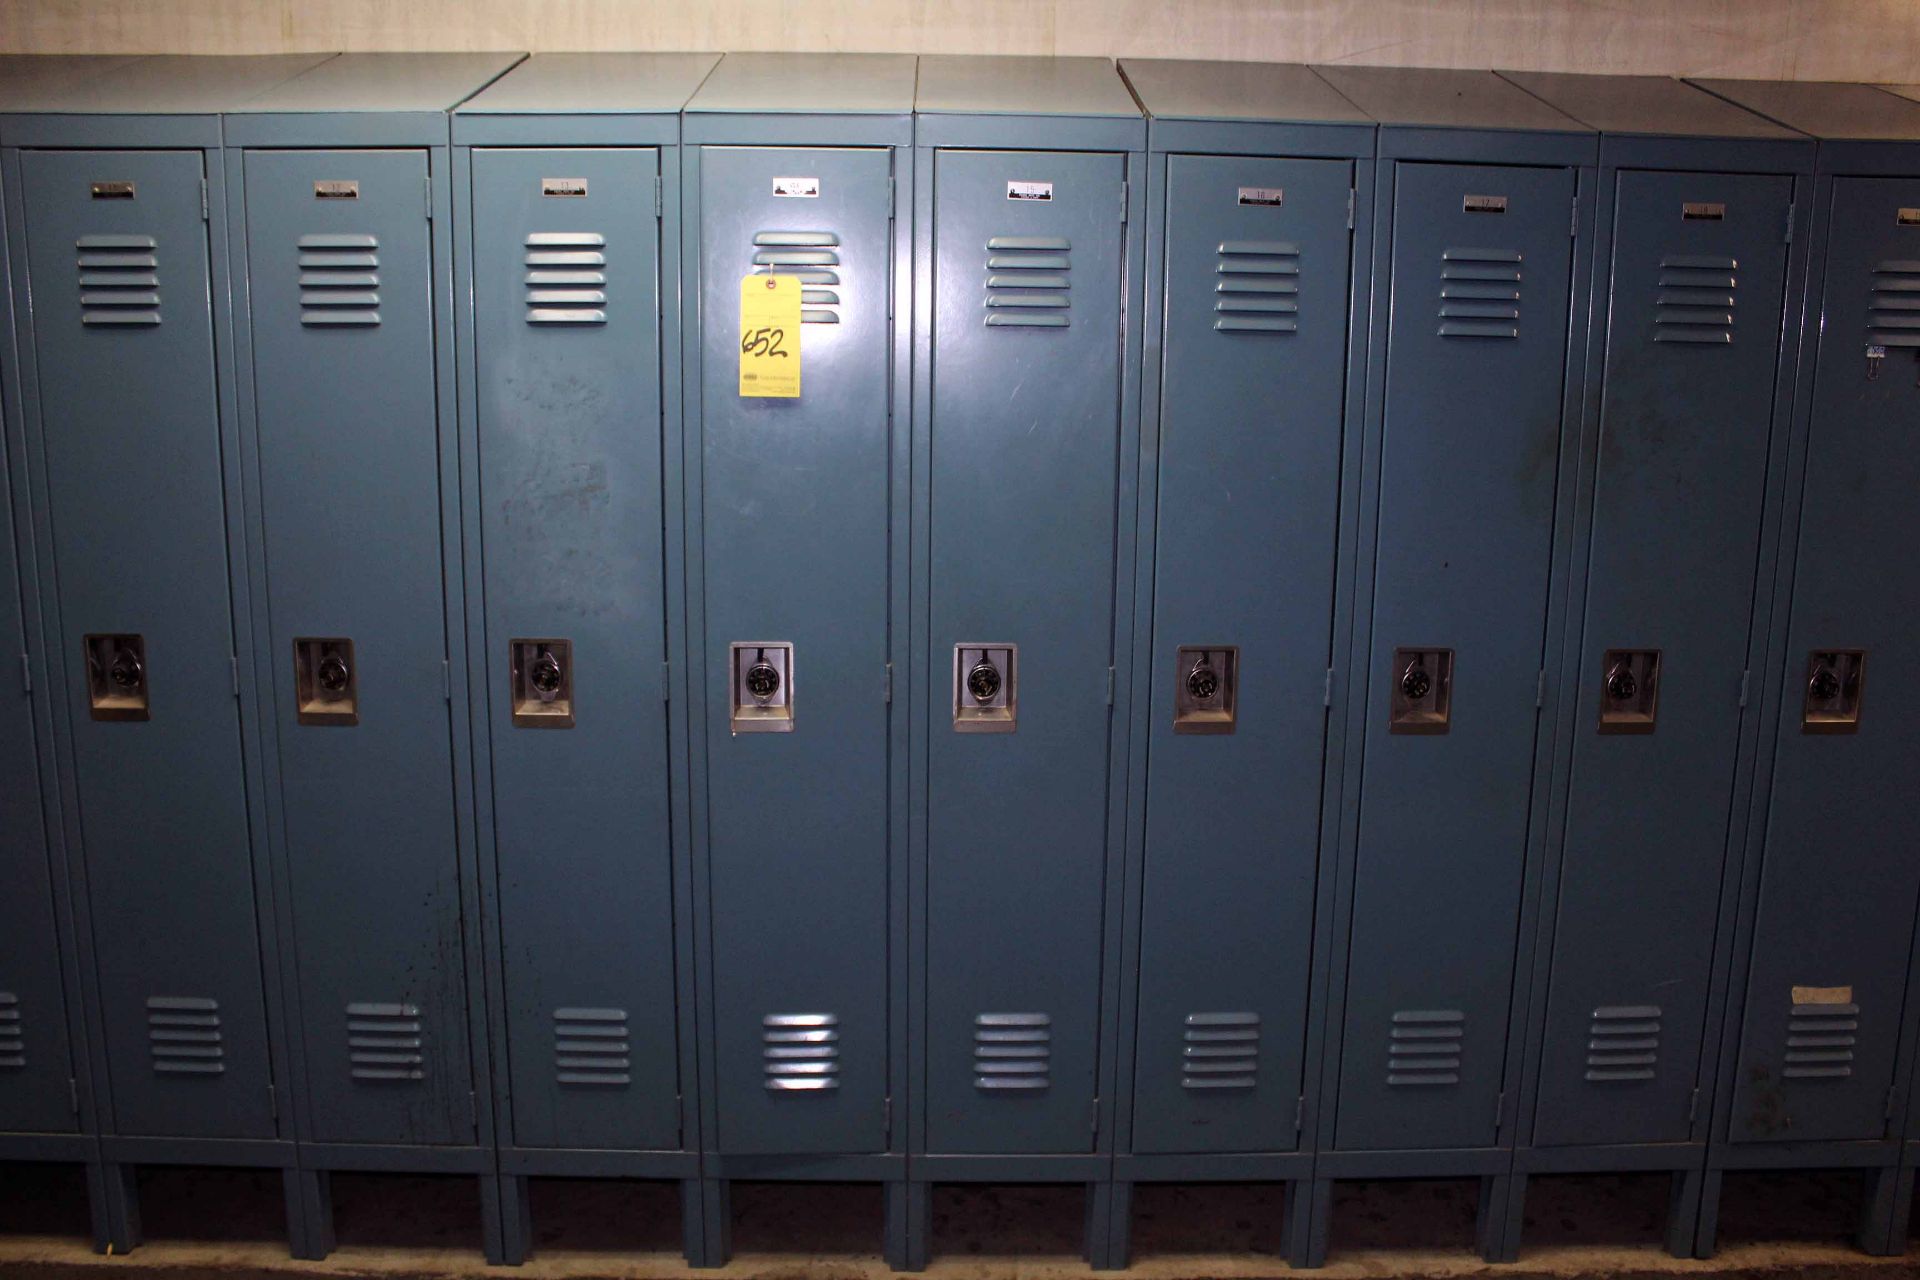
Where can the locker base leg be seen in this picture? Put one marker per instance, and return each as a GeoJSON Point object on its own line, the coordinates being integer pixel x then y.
{"type": "Point", "coordinates": [1706, 1238]}
{"type": "Point", "coordinates": [706, 1212]}
{"type": "Point", "coordinates": [1513, 1217]}
{"type": "Point", "coordinates": [1109, 1225]}
{"type": "Point", "coordinates": [310, 1206]}
{"type": "Point", "coordinates": [1884, 1211]}
{"type": "Point", "coordinates": [908, 1228]}
{"type": "Point", "coordinates": [1683, 1211]}
{"type": "Point", "coordinates": [115, 1193]}
{"type": "Point", "coordinates": [1495, 1240]}
{"type": "Point", "coordinates": [506, 1219]}
{"type": "Point", "coordinates": [1308, 1224]}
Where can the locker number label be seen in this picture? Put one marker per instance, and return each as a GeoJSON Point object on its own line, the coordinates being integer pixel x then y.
{"type": "Point", "coordinates": [802, 188]}
{"type": "Point", "coordinates": [770, 336]}
{"type": "Point", "coordinates": [1029, 191]}
{"type": "Point", "coordinates": [1268, 196]}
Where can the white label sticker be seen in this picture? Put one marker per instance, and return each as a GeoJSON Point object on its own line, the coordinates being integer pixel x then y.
{"type": "Point", "coordinates": [1029, 191]}
{"type": "Point", "coordinates": [1261, 195]}
{"type": "Point", "coordinates": [336, 189]}
{"type": "Point", "coordinates": [1823, 995]}
{"type": "Point", "coordinates": [808, 187]}
{"type": "Point", "coordinates": [563, 186]}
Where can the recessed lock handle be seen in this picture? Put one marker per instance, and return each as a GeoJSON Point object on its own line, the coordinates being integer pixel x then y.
{"type": "Point", "coordinates": [983, 681]}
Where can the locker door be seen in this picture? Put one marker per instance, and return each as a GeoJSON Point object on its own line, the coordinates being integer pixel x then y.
{"type": "Point", "coordinates": [1699, 274]}
{"type": "Point", "coordinates": [1839, 883]}
{"type": "Point", "coordinates": [342, 308]}
{"type": "Point", "coordinates": [795, 531]}
{"type": "Point", "coordinates": [1252, 392]}
{"type": "Point", "coordinates": [34, 1062]}
{"type": "Point", "coordinates": [123, 342]}
{"type": "Point", "coordinates": [1025, 437]}
{"type": "Point", "coordinates": [1476, 353]}
{"type": "Point", "coordinates": [567, 314]}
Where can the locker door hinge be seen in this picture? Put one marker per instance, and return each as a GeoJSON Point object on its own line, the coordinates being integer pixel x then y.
{"type": "Point", "coordinates": [887, 684]}
{"type": "Point", "coordinates": [886, 1117]}
{"type": "Point", "coordinates": [446, 680]}
{"type": "Point", "coordinates": [1745, 676]}
{"type": "Point", "coordinates": [893, 189]}
{"type": "Point", "coordinates": [679, 1120]}
{"type": "Point", "coordinates": [1093, 1124]}
{"type": "Point", "coordinates": [1693, 1104]}
{"type": "Point", "coordinates": [273, 1102]}
{"type": "Point", "coordinates": [1109, 686]}
{"type": "Point", "coordinates": [1326, 693]}
{"type": "Point", "coordinates": [1126, 194]}
{"type": "Point", "coordinates": [26, 673]}
{"type": "Point", "coordinates": [1887, 1114]}
{"type": "Point", "coordinates": [73, 1094]}
{"type": "Point", "coordinates": [1540, 690]}
{"type": "Point", "coordinates": [666, 682]}
{"type": "Point", "coordinates": [204, 208]}
{"type": "Point", "coordinates": [473, 1111]}
{"type": "Point", "coordinates": [1300, 1113]}
{"type": "Point", "coordinates": [233, 667]}
{"type": "Point", "coordinates": [659, 195]}
{"type": "Point", "coordinates": [1573, 227]}
{"type": "Point", "coordinates": [426, 191]}
{"type": "Point", "coordinates": [1788, 238]}
{"type": "Point", "coordinates": [1499, 1110]}
{"type": "Point", "coordinates": [1353, 199]}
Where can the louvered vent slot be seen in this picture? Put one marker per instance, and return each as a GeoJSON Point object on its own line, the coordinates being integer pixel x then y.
{"type": "Point", "coordinates": [1479, 293]}
{"type": "Point", "coordinates": [13, 1041]}
{"type": "Point", "coordinates": [1424, 1047]}
{"type": "Point", "coordinates": [183, 1036]}
{"type": "Point", "coordinates": [813, 257]}
{"type": "Point", "coordinates": [1012, 1051]}
{"type": "Point", "coordinates": [1695, 300]}
{"type": "Point", "coordinates": [801, 1051]}
{"type": "Point", "coordinates": [566, 277]}
{"type": "Point", "coordinates": [339, 280]}
{"type": "Point", "coordinates": [1257, 287]}
{"type": "Point", "coordinates": [1222, 1051]}
{"type": "Point", "coordinates": [1623, 1043]}
{"type": "Point", "coordinates": [1820, 1040]}
{"type": "Point", "coordinates": [590, 1048]}
{"type": "Point", "coordinates": [1029, 282]}
{"type": "Point", "coordinates": [384, 1042]}
{"type": "Point", "coordinates": [1894, 320]}
{"type": "Point", "coordinates": [119, 280]}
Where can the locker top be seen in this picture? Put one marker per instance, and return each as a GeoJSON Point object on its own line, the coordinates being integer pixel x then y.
{"type": "Point", "coordinates": [1648, 105]}
{"type": "Point", "coordinates": [1186, 89]}
{"type": "Point", "coordinates": [1030, 103]}
{"type": "Point", "coordinates": [367, 100]}
{"type": "Point", "coordinates": [809, 83]}
{"type": "Point", "coordinates": [1434, 98]}
{"type": "Point", "coordinates": [28, 81]}
{"type": "Point", "coordinates": [594, 84]}
{"type": "Point", "coordinates": [1832, 112]}
{"type": "Point", "coordinates": [165, 100]}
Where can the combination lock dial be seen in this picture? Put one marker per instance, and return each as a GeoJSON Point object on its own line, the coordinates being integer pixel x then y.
{"type": "Point", "coordinates": [545, 676]}
{"type": "Point", "coordinates": [763, 681]}
{"type": "Point", "coordinates": [1824, 685]}
{"type": "Point", "coordinates": [1621, 685]}
{"type": "Point", "coordinates": [126, 672]}
{"type": "Point", "coordinates": [1203, 682]}
{"type": "Point", "coordinates": [332, 673]}
{"type": "Point", "coordinates": [983, 681]}
{"type": "Point", "coordinates": [1415, 683]}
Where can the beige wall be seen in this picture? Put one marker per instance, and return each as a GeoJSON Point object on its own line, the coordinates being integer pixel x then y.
{"type": "Point", "coordinates": [1800, 39]}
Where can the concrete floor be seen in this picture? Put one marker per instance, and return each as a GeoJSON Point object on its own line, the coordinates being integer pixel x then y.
{"type": "Point", "coordinates": [217, 1225]}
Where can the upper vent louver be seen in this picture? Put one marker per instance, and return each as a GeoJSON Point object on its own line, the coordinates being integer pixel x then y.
{"type": "Point", "coordinates": [813, 257]}
{"type": "Point", "coordinates": [801, 1052]}
{"type": "Point", "coordinates": [1029, 282]}
{"type": "Point", "coordinates": [13, 1042]}
{"type": "Point", "coordinates": [384, 1042]}
{"type": "Point", "coordinates": [1623, 1043]}
{"type": "Point", "coordinates": [1257, 287]}
{"type": "Point", "coordinates": [183, 1036]}
{"type": "Point", "coordinates": [1894, 316]}
{"type": "Point", "coordinates": [1695, 300]}
{"type": "Point", "coordinates": [119, 280]}
{"type": "Point", "coordinates": [566, 277]}
{"type": "Point", "coordinates": [339, 280]}
{"type": "Point", "coordinates": [1221, 1051]}
{"type": "Point", "coordinates": [1424, 1047]}
{"type": "Point", "coordinates": [1480, 293]}
{"type": "Point", "coordinates": [1012, 1051]}
{"type": "Point", "coordinates": [1820, 1041]}
{"type": "Point", "coordinates": [590, 1047]}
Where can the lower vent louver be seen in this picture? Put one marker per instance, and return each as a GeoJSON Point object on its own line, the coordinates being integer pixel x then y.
{"type": "Point", "coordinates": [184, 1037]}
{"type": "Point", "coordinates": [801, 1052]}
{"type": "Point", "coordinates": [1424, 1047]}
{"type": "Point", "coordinates": [13, 1042]}
{"type": "Point", "coordinates": [591, 1048]}
{"type": "Point", "coordinates": [1012, 1052]}
{"type": "Point", "coordinates": [1820, 1041]}
{"type": "Point", "coordinates": [1029, 282]}
{"type": "Point", "coordinates": [1623, 1043]}
{"type": "Point", "coordinates": [1257, 287]}
{"type": "Point", "coordinates": [384, 1043]}
{"type": "Point", "coordinates": [1220, 1051]}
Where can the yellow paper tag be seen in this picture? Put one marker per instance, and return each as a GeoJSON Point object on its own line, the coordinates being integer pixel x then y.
{"type": "Point", "coordinates": [770, 336]}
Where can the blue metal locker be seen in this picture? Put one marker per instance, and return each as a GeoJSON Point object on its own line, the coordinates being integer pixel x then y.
{"type": "Point", "coordinates": [568, 367]}
{"type": "Point", "coordinates": [1689, 388]}
{"type": "Point", "coordinates": [340, 188]}
{"type": "Point", "coordinates": [1259, 216]}
{"type": "Point", "coordinates": [1478, 284]}
{"type": "Point", "coordinates": [1821, 1024]}
{"type": "Point", "coordinates": [1029, 225]}
{"type": "Point", "coordinates": [126, 387]}
{"type": "Point", "coordinates": [797, 166]}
